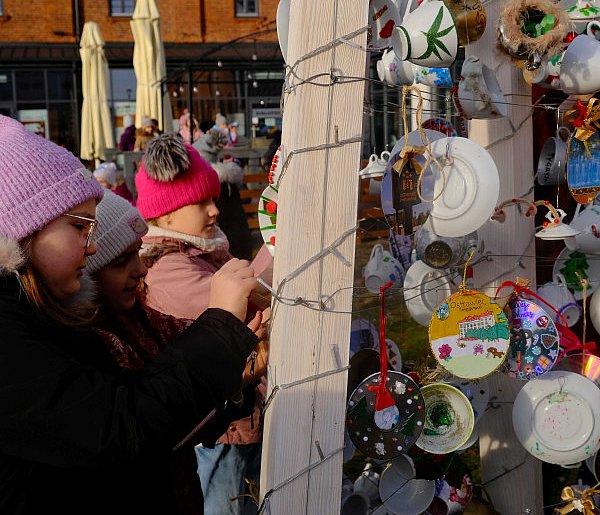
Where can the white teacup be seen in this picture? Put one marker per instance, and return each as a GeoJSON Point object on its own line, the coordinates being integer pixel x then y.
{"type": "Point", "coordinates": [479, 93]}
{"type": "Point", "coordinates": [579, 70]}
{"type": "Point", "coordinates": [558, 295]}
{"type": "Point", "coordinates": [394, 70]}
{"type": "Point", "coordinates": [588, 222]}
{"type": "Point", "coordinates": [417, 39]}
{"type": "Point", "coordinates": [382, 268]}
{"type": "Point", "coordinates": [552, 163]}
{"type": "Point", "coordinates": [376, 166]}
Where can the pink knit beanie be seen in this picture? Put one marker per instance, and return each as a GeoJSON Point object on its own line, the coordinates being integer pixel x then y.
{"type": "Point", "coordinates": [172, 175]}
{"type": "Point", "coordinates": [39, 181]}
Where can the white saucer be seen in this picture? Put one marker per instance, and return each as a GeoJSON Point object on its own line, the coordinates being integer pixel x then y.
{"type": "Point", "coordinates": [592, 272]}
{"type": "Point", "coordinates": [471, 190]}
{"type": "Point", "coordinates": [384, 16]}
{"type": "Point", "coordinates": [424, 289]}
{"type": "Point", "coordinates": [283, 24]}
{"type": "Point", "coordinates": [554, 417]}
{"type": "Point", "coordinates": [557, 232]}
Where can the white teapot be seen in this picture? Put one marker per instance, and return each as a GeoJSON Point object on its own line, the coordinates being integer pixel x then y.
{"type": "Point", "coordinates": [588, 223]}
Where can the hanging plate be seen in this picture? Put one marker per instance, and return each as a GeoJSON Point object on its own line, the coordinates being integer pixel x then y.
{"type": "Point", "coordinates": [390, 432]}
{"type": "Point", "coordinates": [469, 335]}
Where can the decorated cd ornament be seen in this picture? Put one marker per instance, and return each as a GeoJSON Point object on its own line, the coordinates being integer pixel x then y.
{"type": "Point", "coordinates": [390, 432]}
{"type": "Point", "coordinates": [469, 334]}
{"type": "Point", "coordinates": [267, 216]}
{"type": "Point", "coordinates": [534, 340]}
{"type": "Point", "coordinates": [268, 202]}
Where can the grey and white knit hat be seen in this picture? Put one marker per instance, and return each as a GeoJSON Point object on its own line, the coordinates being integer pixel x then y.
{"type": "Point", "coordinates": [119, 225]}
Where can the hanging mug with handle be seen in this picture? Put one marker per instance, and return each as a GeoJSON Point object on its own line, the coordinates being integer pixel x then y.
{"type": "Point", "coordinates": [427, 36]}
{"type": "Point", "coordinates": [381, 268]}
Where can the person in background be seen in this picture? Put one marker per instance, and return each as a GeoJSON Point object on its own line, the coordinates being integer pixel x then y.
{"type": "Point", "coordinates": [136, 334]}
{"type": "Point", "coordinates": [232, 218]}
{"type": "Point", "coordinates": [127, 141]}
{"type": "Point", "coordinates": [108, 175]}
{"type": "Point", "coordinates": [157, 130]}
{"type": "Point", "coordinates": [184, 127]}
{"type": "Point", "coordinates": [144, 134]}
{"type": "Point", "coordinates": [177, 190]}
{"type": "Point", "coordinates": [80, 435]}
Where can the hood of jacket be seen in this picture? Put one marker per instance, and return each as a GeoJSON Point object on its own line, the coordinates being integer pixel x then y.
{"type": "Point", "coordinates": [11, 256]}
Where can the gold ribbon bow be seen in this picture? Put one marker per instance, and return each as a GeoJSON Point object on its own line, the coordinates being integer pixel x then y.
{"type": "Point", "coordinates": [586, 119]}
{"type": "Point", "coordinates": [583, 503]}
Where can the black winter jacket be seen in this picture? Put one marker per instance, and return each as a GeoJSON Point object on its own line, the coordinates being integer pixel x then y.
{"type": "Point", "coordinates": [80, 436]}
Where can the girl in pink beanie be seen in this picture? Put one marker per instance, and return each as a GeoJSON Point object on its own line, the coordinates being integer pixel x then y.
{"type": "Point", "coordinates": [184, 247]}
{"type": "Point", "coordinates": [79, 434]}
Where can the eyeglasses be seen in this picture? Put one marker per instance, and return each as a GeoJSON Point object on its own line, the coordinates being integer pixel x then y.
{"type": "Point", "coordinates": [93, 223]}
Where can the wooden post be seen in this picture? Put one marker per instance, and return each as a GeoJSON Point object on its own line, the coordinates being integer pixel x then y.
{"type": "Point", "coordinates": [304, 424]}
{"type": "Point", "coordinates": [500, 451]}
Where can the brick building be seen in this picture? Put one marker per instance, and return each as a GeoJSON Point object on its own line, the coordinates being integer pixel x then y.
{"type": "Point", "coordinates": [227, 48]}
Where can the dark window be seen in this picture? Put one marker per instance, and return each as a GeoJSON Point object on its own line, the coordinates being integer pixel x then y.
{"type": "Point", "coordinates": [30, 85]}
{"type": "Point", "coordinates": [60, 85]}
{"type": "Point", "coordinates": [6, 90]}
{"type": "Point", "coordinates": [121, 7]}
{"type": "Point", "coordinates": [246, 7]}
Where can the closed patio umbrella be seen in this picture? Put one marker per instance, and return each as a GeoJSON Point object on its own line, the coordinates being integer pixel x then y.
{"type": "Point", "coordinates": [149, 65]}
{"type": "Point", "coordinates": [96, 126]}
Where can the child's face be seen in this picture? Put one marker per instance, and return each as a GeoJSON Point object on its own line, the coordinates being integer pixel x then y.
{"type": "Point", "coordinates": [59, 250]}
{"type": "Point", "coordinates": [120, 279]}
{"type": "Point", "coordinates": [197, 219]}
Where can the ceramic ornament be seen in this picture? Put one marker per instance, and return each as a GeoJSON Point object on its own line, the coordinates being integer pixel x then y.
{"type": "Point", "coordinates": [449, 419]}
{"type": "Point", "coordinates": [528, 30]}
{"type": "Point", "coordinates": [555, 417]}
{"type": "Point", "coordinates": [470, 19]}
{"type": "Point", "coordinates": [390, 432]}
{"type": "Point", "coordinates": [384, 16]}
{"type": "Point", "coordinates": [534, 340]}
{"type": "Point", "coordinates": [427, 36]}
{"type": "Point", "coordinates": [469, 335]}
{"type": "Point", "coordinates": [555, 229]}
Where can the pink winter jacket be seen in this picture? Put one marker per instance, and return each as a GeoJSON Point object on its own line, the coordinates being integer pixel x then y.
{"type": "Point", "coordinates": [178, 284]}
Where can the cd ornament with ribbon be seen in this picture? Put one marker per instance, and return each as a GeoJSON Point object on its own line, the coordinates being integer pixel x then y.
{"type": "Point", "coordinates": [534, 340]}
{"type": "Point", "coordinates": [389, 432]}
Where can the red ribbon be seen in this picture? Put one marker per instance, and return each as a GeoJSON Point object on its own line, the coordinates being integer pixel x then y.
{"type": "Point", "coordinates": [384, 398]}
{"type": "Point", "coordinates": [522, 289]}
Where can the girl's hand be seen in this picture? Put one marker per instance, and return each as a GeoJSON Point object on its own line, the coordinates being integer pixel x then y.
{"type": "Point", "coordinates": [231, 286]}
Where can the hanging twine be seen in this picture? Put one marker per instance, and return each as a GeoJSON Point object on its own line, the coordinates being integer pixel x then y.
{"type": "Point", "coordinates": [409, 151]}
{"type": "Point", "coordinates": [584, 502]}
{"type": "Point", "coordinates": [463, 286]}
{"type": "Point", "coordinates": [584, 284]}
